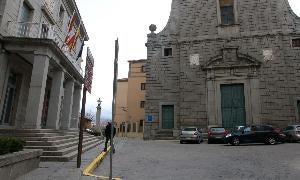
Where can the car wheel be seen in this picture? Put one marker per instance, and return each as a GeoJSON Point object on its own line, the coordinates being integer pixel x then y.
{"type": "Point", "coordinates": [272, 140]}
{"type": "Point", "coordinates": [181, 142]}
{"type": "Point", "coordinates": [235, 141]}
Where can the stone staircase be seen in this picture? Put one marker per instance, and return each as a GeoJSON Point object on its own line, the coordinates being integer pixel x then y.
{"type": "Point", "coordinates": [57, 145]}
{"type": "Point", "coordinates": [165, 135]}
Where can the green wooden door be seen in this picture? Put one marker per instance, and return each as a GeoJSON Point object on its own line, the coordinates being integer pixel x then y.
{"type": "Point", "coordinates": [168, 116]}
{"type": "Point", "coordinates": [233, 105]}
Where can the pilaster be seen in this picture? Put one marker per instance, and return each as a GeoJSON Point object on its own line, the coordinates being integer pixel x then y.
{"type": "Point", "coordinates": [75, 108]}
{"type": "Point", "coordinates": [57, 91]}
{"type": "Point", "coordinates": [67, 105]}
{"type": "Point", "coordinates": [36, 92]}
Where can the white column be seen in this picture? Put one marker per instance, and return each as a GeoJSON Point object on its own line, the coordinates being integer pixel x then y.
{"type": "Point", "coordinates": [57, 91]}
{"type": "Point", "coordinates": [67, 104]}
{"type": "Point", "coordinates": [75, 108]}
{"type": "Point", "coordinates": [98, 116]}
{"type": "Point", "coordinates": [36, 92]}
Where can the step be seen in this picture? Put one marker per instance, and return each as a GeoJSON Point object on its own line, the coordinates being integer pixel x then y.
{"type": "Point", "coordinates": [16, 131]}
{"type": "Point", "coordinates": [68, 156]}
{"type": "Point", "coordinates": [51, 143]}
{"type": "Point", "coordinates": [52, 138]}
{"type": "Point", "coordinates": [58, 147]}
{"type": "Point", "coordinates": [30, 135]}
{"type": "Point", "coordinates": [69, 149]}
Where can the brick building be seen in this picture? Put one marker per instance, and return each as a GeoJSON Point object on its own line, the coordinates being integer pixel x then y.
{"type": "Point", "coordinates": [225, 63]}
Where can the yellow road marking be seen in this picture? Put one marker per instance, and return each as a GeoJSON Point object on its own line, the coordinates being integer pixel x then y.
{"type": "Point", "coordinates": [94, 164]}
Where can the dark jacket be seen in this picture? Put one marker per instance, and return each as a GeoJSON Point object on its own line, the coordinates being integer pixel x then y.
{"type": "Point", "coordinates": [108, 130]}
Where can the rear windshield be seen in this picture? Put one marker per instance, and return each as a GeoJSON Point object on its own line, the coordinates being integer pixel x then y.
{"type": "Point", "coordinates": [189, 129]}
{"type": "Point", "coordinates": [290, 128]}
{"type": "Point", "coordinates": [217, 129]}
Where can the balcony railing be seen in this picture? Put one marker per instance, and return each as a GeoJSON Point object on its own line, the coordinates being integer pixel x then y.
{"type": "Point", "coordinates": [43, 31]}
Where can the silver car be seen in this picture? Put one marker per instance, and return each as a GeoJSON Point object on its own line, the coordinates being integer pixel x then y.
{"type": "Point", "coordinates": [191, 134]}
{"type": "Point", "coordinates": [292, 133]}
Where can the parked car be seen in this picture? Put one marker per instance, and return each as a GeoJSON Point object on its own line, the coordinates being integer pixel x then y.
{"type": "Point", "coordinates": [254, 134]}
{"type": "Point", "coordinates": [216, 134]}
{"type": "Point", "coordinates": [292, 133]}
{"type": "Point", "coordinates": [189, 134]}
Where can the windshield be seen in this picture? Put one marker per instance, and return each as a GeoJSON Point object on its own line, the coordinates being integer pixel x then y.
{"type": "Point", "coordinates": [189, 129]}
{"type": "Point", "coordinates": [217, 129]}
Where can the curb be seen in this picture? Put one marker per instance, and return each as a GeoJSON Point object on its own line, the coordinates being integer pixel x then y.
{"type": "Point", "coordinates": [89, 169]}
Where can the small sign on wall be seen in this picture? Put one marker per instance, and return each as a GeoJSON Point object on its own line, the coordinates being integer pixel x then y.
{"type": "Point", "coordinates": [150, 118]}
{"type": "Point", "coordinates": [194, 59]}
{"type": "Point", "coordinates": [268, 54]}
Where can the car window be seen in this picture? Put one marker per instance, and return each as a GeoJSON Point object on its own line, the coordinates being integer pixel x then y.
{"type": "Point", "coordinates": [290, 128]}
{"type": "Point", "coordinates": [267, 128]}
{"type": "Point", "coordinates": [298, 128]}
{"type": "Point", "coordinates": [189, 129]}
{"type": "Point", "coordinates": [217, 129]}
{"type": "Point", "coordinates": [247, 129]}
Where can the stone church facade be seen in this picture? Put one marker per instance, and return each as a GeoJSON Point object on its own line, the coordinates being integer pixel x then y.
{"type": "Point", "coordinates": [223, 63]}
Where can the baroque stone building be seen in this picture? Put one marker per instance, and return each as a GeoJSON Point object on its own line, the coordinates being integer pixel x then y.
{"type": "Point", "coordinates": [40, 77]}
{"type": "Point", "coordinates": [224, 63]}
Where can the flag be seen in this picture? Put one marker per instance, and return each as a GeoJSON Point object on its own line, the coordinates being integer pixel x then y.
{"type": "Point", "coordinates": [73, 40]}
{"type": "Point", "coordinates": [88, 77]}
{"type": "Point", "coordinates": [71, 24]}
{"type": "Point", "coordinates": [80, 51]}
{"type": "Point", "coordinates": [77, 35]}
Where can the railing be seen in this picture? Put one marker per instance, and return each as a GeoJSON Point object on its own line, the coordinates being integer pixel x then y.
{"type": "Point", "coordinates": [43, 31]}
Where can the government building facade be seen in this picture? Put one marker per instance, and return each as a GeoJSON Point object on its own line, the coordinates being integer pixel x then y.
{"type": "Point", "coordinates": [40, 70]}
{"type": "Point", "coordinates": [223, 63]}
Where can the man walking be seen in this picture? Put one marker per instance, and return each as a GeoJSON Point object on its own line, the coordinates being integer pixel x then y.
{"type": "Point", "coordinates": [108, 134]}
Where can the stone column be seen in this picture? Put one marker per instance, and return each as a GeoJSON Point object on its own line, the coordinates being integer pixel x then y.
{"type": "Point", "coordinates": [36, 92]}
{"type": "Point", "coordinates": [67, 105]}
{"type": "Point", "coordinates": [98, 114]}
{"type": "Point", "coordinates": [75, 108]}
{"type": "Point", "coordinates": [3, 77]}
{"type": "Point", "coordinates": [57, 91]}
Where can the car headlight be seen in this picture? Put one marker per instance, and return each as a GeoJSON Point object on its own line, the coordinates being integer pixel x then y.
{"type": "Point", "coordinates": [228, 135]}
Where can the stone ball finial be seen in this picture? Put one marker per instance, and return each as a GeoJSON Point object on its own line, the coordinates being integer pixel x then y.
{"type": "Point", "coordinates": [152, 28]}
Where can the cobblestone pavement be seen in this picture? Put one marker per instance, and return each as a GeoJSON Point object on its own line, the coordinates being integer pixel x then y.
{"type": "Point", "coordinates": [169, 160]}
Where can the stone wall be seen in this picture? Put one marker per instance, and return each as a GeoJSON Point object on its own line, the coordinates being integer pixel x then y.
{"type": "Point", "coordinates": [263, 32]}
{"type": "Point", "coordinates": [19, 163]}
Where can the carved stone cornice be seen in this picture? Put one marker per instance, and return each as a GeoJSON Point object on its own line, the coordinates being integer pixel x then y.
{"type": "Point", "coordinates": [231, 58]}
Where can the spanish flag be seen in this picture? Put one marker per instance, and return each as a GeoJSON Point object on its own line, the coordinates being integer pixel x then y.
{"type": "Point", "coordinates": [71, 24]}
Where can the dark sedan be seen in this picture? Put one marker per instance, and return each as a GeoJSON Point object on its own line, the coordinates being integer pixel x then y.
{"type": "Point", "coordinates": [292, 133]}
{"type": "Point", "coordinates": [254, 134]}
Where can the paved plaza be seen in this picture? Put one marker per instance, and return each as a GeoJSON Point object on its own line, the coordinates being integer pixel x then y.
{"type": "Point", "coordinates": [169, 160]}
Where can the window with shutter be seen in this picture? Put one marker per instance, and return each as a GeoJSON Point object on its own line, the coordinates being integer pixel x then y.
{"type": "Point", "coordinates": [227, 12]}
{"type": "Point", "coordinates": [25, 13]}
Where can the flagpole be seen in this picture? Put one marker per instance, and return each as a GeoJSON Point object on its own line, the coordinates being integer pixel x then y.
{"type": "Point", "coordinates": [81, 128]}
{"type": "Point", "coordinates": [113, 105]}
{"type": "Point", "coordinates": [86, 87]}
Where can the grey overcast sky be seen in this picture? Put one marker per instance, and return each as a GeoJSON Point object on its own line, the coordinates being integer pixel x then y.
{"type": "Point", "coordinates": [128, 20]}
